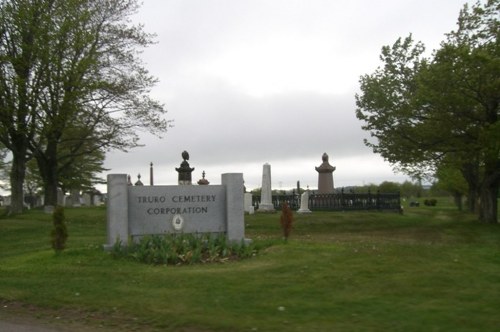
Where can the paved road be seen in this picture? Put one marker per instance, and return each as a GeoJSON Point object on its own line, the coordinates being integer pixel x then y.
{"type": "Point", "coordinates": [21, 327]}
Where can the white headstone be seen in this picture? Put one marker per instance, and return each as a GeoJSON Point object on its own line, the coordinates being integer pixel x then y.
{"type": "Point", "coordinates": [304, 203]}
{"type": "Point", "coordinates": [248, 204]}
{"type": "Point", "coordinates": [266, 203]}
{"type": "Point", "coordinates": [61, 198]}
{"type": "Point", "coordinates": [75, 198]}
{"type": "Point", "coordinates": [86, 199]}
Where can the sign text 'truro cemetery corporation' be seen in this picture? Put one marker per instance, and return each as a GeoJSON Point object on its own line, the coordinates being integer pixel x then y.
{"type": "Point", "coordinates": [135, 211]}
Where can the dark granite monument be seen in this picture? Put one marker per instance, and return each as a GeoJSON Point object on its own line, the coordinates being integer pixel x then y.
{"type": "Point", "coordinates": [203, 181]}
{"type": "Point", "coordinates": [325, 176]}
{"type": "Point", "coordinates": [184, 170]}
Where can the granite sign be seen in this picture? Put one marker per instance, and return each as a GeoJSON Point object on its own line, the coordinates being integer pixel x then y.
{"type": "Point", "coordinates": [135, 211]}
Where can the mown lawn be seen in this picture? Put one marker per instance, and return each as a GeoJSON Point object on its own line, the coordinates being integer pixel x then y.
{"type": "Point", "coordinates": [430, 269]}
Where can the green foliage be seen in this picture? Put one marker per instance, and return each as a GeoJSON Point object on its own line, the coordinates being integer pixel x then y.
{"type": "Point", "coordinates": [341, 271]}
{"type": "Point", "coordinates": [73, 87]}
{"type": "Point", "coordinates": [430, 202]}
{"type": "Point", "coordinates": [256, 191]}
{"type": "Point", "coordinates": [409, 189]}
{"type": "Point", "coordinates": [79, 171]}
{"type": "Point", "coordinates": [286, 220]}
{"type": "Point", "coordinates": [178, 249]}
{"type": "Point", "coordinates": [450, 179]}
{"type": "Point", "coordinates": [389, 187]}
{"type": "Point", "coordinates": [424, 112]}
{"type": "Point", "coordinates": [59, 233]}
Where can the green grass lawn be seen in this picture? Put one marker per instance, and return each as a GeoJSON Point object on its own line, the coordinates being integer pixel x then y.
{"type": "Point", "coordinates": [430, 269]}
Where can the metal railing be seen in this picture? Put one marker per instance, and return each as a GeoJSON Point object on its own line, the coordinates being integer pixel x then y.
{"type": "Point", "coordinates": [338, 201]}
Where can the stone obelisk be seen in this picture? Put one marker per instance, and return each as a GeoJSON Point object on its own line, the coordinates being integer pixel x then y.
{"type": "Point", "coordinates": [266, 203]}
{"type": "Point", "coordinates": [325, 176]}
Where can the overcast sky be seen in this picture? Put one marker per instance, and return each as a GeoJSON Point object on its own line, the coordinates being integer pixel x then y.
{"type": "Point", "coordinates": [249, 82]}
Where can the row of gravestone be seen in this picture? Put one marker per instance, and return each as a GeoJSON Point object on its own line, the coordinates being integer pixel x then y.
{"type": "Point", "coordinates": [75, 199]}
{"type": "Point", "coordinates": [325, 186]}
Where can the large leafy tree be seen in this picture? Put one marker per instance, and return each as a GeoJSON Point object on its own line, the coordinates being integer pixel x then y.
{"type": "Point", "coordinates": [78, 73]}
{"type": "Point", "coordinates": [19, 85]}
{"type": "Point", "coordinates": [443, 111]}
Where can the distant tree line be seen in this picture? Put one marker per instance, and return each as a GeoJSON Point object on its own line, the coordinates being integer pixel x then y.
{"type": "Point", "coordinates": [407, 189]}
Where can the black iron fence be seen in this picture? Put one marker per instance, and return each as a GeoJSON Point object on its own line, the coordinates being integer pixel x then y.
{"type": "Point", "coordinates": [338, 201]}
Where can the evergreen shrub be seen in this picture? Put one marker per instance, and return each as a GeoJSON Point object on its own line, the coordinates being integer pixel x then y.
{"type": "Point", "coordinates": [59, 233]}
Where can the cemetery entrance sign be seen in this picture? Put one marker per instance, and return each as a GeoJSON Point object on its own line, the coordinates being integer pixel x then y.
{"type": "Point", "coordinates": [136, 211]}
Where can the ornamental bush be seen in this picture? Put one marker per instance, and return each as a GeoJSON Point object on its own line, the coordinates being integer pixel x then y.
{"type": "Point", "coordinates": [59, 233]}
{"type": "Point", "coordinates": [286, 220]}
{"type": "Point", "coordinates": [179, 249]}
{"type": "Point", "coordinates": [430, 202]}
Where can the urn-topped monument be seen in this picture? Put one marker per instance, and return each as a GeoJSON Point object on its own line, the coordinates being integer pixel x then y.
{"type": "Point", "coordinates": [184, 170]}
{"type": "Point", "coordinates": [325, 176]}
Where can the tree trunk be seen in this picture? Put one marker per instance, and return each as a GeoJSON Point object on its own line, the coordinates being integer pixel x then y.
{"type": "Point", "coordinates": [17, 176]}
{"type": "Point", "coordinates": [470, 172]}
{"type": "Point", "coordinates": [489, 193]}
{"type": "Point", "coordinates": [457, 197]}
{"type": "Point", "coordinates": [472, 200]}
{"type": "Point", "coordinates": [47, 163]}
{"type": "Point", "coordinates": [50, 190]}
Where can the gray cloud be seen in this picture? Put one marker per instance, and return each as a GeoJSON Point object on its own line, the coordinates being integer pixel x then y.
{"type": "Point", "coordinates": [249, 82]}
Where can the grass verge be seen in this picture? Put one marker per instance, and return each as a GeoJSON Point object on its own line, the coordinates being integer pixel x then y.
{"type": "Point", "coordinates": [431, 268]}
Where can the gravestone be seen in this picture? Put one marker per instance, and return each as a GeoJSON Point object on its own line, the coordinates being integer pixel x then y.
{"type": "Point", "coordinates": [184, 170]}
{"type": "Point", "coordinates": [87, 199]}
{"type": "Point", "coordinates": [266, 203]}
{"type": "Point", "coordinates": [249, 208]}
{"type": "Point", "coordinates": [325, 176]}
{"type": "Point", "coordinates": [75, 198]}
{"type": "Point", "coordinates": [203, 181]}
{"type": "Point", "coordinates": [136, 211]}
{"type": "Point", "coordinates": [304, 203]}
{"type": "Point", "coordinates": [61, 197]}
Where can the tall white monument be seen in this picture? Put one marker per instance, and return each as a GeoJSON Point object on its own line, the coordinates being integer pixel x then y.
{"type": "Point", "coordinates": [266, 203]}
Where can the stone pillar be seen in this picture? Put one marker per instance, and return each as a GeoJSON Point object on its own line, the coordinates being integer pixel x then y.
{"type": "Point", "coordinates": [151, 181]}
{"type": "Point", "coordinates": [235, 221]}
{"type": "Point", "coordinates": [117, 210]}
{"type": "Point", "coordinates": [266, 198]}
{"type": "Point", "coordinates": [325, 176]}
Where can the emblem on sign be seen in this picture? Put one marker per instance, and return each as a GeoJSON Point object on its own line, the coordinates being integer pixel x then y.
{"type": "Point", "coordinates": [177, 222]}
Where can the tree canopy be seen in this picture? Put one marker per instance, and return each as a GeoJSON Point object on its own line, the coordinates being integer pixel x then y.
{"type": "Point", "coordinates": [72, 85]}
{"type": "Point", "coordinates": [426, 113]}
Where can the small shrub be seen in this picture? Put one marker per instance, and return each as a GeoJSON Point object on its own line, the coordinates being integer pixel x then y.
{"type": "Point", "coordinates": [179, 249]}
{"type": "Point", "coordinates": [59, 233]}
{"type": "Point", "coordinates": [286, 220]}
{"type": "Point", "coordinates": [430, 202]}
